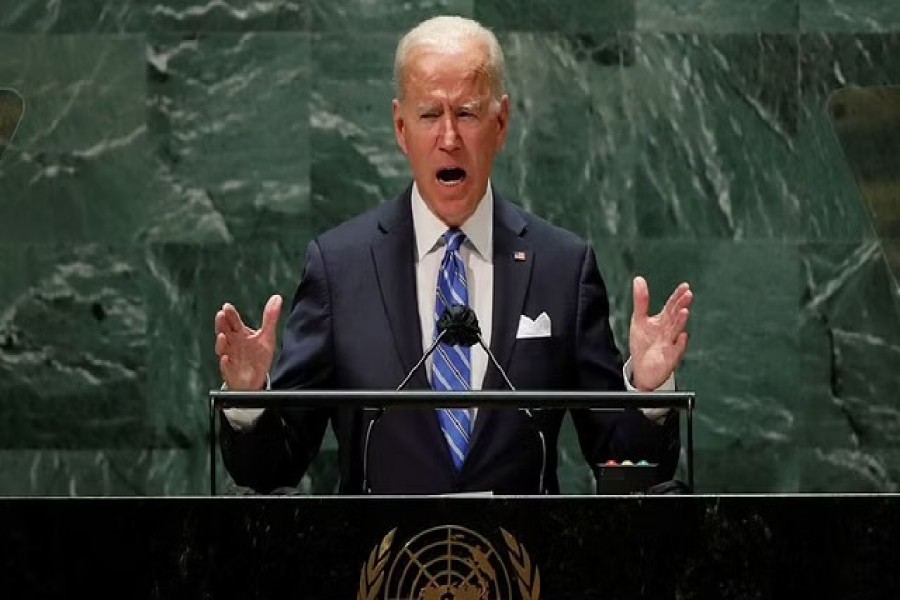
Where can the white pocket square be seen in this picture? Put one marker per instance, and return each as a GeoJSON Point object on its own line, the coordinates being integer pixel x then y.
{"type": "Point", "coordinates": [539, 328]}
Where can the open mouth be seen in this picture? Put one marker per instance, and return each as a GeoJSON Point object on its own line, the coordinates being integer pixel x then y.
{"type": "Point", "coordinates": [451, 176]}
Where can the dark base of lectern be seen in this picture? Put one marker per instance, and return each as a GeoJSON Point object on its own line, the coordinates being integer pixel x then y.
{"type": "Point", "coordinates": [584, 548]}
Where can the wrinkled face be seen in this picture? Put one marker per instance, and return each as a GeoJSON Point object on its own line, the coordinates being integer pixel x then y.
{"type": "Point", "coordinates": [450, 128]}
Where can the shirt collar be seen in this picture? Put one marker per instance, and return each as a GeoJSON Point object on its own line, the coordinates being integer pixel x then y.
{"type": "Point", "coordinates": [478, 227]}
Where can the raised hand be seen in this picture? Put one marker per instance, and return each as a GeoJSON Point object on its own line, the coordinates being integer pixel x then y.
{"type": "Point", "coordinates": [657, 343]}
{"type": "Point", "coordinates": [245, 355]}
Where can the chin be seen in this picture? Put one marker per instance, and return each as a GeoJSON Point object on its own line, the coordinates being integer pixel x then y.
{"type": "Point", "coordinates": [452, 204]}
{"type": "Point", "coordinates": [454, 213]}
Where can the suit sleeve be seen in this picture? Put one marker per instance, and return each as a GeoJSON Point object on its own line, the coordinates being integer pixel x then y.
{"type": "Point", "coordinates": [613, 435]}
{"type": "Point", "coordinates": [277, 451]}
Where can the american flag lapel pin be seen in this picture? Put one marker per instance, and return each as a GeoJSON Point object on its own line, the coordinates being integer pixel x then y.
{"type": "Point", "coordinates": [519, 256]}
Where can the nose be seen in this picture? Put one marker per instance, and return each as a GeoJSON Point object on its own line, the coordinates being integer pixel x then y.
{"type": "Point", "coordinates": [449, 136]}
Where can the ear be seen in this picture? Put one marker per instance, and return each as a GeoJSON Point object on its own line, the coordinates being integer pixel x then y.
{"type": "Point", "coordinates": [399, 126]}
{"type": "Point", "coordinates": [502, 121]}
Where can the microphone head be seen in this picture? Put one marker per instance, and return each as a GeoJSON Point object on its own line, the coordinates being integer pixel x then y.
{"type": "Point", "coordinates": [11, 108]}
{"type": "Point", "coordinates": [461, 326]}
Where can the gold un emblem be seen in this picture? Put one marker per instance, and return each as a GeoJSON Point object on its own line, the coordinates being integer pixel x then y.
{"type": "Point", "coordinates": [449, 563]}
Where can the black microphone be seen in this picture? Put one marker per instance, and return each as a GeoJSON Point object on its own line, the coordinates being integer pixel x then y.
{"type": "Point", "coordinates": [11, 108]}
{"type": "Point", "coordinates": [462, 329]}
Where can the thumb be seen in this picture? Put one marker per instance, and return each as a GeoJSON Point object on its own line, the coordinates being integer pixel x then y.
{"type": "Point", "coordinates": [641, 295]}
{"type": "Point", "coordinates": [270, 316]}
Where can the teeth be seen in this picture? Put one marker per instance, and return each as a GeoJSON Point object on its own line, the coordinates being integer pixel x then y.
{"type": "Point", "coordinates": [451, 176]}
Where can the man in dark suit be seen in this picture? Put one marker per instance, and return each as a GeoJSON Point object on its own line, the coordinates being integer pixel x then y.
{"type": "Point", "coordinates": [372, 289]}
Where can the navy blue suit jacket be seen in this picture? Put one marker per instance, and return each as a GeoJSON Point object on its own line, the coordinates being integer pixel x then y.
{"type": "Point", "coordinates": [354, 325]}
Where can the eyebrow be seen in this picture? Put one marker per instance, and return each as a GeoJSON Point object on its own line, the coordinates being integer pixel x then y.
{"type": "Point", "coordinates": [474, 106]}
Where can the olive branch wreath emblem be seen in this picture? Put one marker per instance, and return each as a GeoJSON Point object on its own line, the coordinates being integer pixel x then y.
{"type": "Point", "coordinates": [371, 576]}
{"type": "Point", "coordinates": [529, 579]}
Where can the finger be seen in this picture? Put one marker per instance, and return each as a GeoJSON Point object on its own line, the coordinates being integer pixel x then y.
{"type": "Point", "coordinates": [641, 295]}
{"type": "Point", "coordinates": [677, 296]}
{"type": "Point", "coordinates": [672, 315]}
{"type": "Point", "coordinates": [222, 324]}
{"type": "Point", "coordinates": [232, 317]}
{"type": "Point", "coordinates": [221, 344]}
{"type": "Point", "coordinates": [270, 316]}
{"type": "Point", "coordinates": [679, 323]}
{"type": "Point", "coordinates": [686, 299]}
{"type": "Point", "coordinates": [673, 325]}
{"type": "Point", "coordinates": [680, 346]}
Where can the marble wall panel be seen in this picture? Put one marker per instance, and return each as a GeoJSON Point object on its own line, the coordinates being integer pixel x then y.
{"type": "Point", "coordinates": [82, 143]}
{"type": "Point", "coordinates": [569, 156]}
{"type": "Point", "coordinates": [112, 16]}
{"type": "Point", "coordinates": [357, 162]}
{"type": "Point", "coordinates": [90, 472]}
{"type": "Point", "coordinates": [716, 117]}
{"type": "Point", "coordinates": [848, 16]}
{"type": "Point", "coordinates": [228, 120]}
{"type": "Point", "coordinates": [717, 16]}
{"type": "Point", "coordinates": [73, 347]}
{"type": "Point", "coordinates": [364, 16]}
{"type": "Point", "coordinates": [566, 16]}
{"type": "Point", "coordinates": [850, 333]}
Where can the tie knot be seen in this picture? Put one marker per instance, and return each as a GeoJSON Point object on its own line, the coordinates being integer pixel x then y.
{"type": "Point", "coordinates": [454, 238]}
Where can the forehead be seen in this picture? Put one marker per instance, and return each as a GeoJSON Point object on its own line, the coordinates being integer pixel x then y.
{"type": "Point", "coordinates": [437, 72]}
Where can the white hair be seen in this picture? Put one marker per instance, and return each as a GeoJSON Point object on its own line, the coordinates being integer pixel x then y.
{"type": "Point", "coordinates": [450, 33]}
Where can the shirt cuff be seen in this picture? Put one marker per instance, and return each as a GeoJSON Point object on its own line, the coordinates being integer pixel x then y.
{"type": "Point", "coordinates": [654, 414]}
{"type": "Point", "coordinates": [244, 419]}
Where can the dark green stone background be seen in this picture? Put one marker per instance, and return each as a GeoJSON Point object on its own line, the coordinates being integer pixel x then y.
{"type": "Point", "coordinates": [178, 154]}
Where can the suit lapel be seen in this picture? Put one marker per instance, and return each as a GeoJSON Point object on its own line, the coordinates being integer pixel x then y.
{"type": "Point", "coordinates": [393, 255]}
{"type": "Point", "coordinates": [513, 260]}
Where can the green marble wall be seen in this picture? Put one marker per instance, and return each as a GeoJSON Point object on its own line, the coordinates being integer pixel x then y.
{"type": "Point", "coordinates": [178, 154]}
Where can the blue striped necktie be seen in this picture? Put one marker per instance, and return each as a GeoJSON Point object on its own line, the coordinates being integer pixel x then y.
{"type": "Point", "coordinates": [452, 365]}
